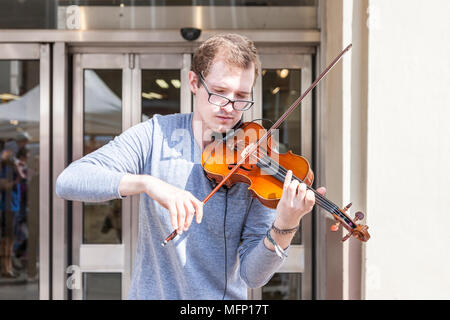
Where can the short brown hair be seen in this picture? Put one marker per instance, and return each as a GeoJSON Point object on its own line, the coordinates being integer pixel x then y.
{"type": "Point", "coordinates": [237, 50]}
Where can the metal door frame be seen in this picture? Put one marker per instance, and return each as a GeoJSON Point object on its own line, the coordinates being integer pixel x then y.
{"type": "Point", "coordinates": [120, 257]}
{"type": "Point", "coordinates": [63, 43]}
{"type": "Point", "coordinates": [155, 61]}
{"type": "Point", "coordinates": [99, 257]}
{"type": "Point", "coordinates": [41, 52]}
{"type": "Point", "coordinates": [300, 256]}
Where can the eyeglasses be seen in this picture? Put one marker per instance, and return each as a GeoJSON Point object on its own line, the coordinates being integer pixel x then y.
{"type": "Point", "coordinates": [222, 101]}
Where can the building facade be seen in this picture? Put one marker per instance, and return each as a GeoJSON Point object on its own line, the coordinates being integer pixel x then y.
{"type": "Point", "coordinates": [75, 74]}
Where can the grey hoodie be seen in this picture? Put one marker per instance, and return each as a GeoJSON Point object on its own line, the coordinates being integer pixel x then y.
{"type": "Point", "coordinates": [215, 259]}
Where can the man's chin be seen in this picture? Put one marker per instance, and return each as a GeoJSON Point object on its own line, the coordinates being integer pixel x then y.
{"type": "Point", "coordinates": [218, 126]}
{"type": "Point", "coordinates": [221, 128]}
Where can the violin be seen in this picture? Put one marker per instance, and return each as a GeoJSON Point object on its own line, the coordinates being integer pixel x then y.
{"type": "Point", "coordinates": [247, 156]}
{"type": "Point", "coordinates": [264, 170]}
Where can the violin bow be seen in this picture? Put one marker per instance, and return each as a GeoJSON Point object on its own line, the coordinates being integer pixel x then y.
{"type": "Point", "coordinates": [267, 135]}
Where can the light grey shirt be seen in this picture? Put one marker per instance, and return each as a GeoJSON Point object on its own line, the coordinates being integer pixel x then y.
{"type": "Point", "coordinates": [216, 259]}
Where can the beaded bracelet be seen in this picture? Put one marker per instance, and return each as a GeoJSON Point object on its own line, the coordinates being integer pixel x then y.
{"type": "Point", "coordinates": [284, 231]}
{"type": "Point", "coordinates": [278, 250]}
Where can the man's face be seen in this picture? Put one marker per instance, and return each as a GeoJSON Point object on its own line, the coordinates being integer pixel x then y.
{"type": "Point", "coordinates": [230, 81]}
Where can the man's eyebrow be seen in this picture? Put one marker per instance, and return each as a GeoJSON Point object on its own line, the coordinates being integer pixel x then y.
{"type": "Point", "coordinates": [218, 86]}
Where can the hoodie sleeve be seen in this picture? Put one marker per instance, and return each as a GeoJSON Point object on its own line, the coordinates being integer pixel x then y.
{"type": "Point", "coordinates": [96, 176]}
{"type": "Point", "coordinates": [258, 263]}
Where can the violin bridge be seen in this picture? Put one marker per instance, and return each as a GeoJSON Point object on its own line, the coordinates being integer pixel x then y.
{"type": "Point", "coordinates": [245, 152]}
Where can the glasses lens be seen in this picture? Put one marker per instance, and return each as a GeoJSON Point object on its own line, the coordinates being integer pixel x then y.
{"type": "Point", "coordinates": [242, 105]}
{"type": "Point", "coordinates": [218, 100]}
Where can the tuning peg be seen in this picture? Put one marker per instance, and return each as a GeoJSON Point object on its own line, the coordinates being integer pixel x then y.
{"type": "Point", "coordinates": [347, 236]}
{"type": "Point", "coordinates": [359, 216]}
{"type": "Point", "coordinates": [347, 207]}
{"type": "Point", "coordinates": [335, 227]}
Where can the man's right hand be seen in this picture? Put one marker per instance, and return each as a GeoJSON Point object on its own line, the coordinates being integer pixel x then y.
{"type": "Point", "coordinates": [181, 204]}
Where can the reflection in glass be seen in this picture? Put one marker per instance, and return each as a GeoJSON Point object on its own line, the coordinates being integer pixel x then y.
{"type": "Point", "coordinates": [191, 3]}
{"type": "Point", "coordinates": [160, 92]}
{"type": "Point", "coordinates": [19, 179]}
{"type": "Point", "coordinates": [102, 286]}
{"type": "Point", "coordinates": [283, 286]}
{"type": "Point", "coordinates": [281, 87]}
{"type": "Point", "coordinates": [102, 222]}
{"type": "Point", "coordinates": [125, 14]}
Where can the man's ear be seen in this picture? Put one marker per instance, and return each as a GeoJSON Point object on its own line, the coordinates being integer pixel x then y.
{"type": "Point", "coordinates": [193, 81]}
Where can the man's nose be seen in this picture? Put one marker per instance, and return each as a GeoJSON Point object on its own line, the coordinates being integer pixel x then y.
{"type": "Point", "coordinates": [228, 107]}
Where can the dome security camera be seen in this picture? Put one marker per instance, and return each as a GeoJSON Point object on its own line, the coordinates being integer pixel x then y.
{"type": "Point", "coordinates": [190, 34]}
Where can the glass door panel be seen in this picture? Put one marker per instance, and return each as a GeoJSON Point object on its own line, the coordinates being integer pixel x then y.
{"type": "Point", "coordinates": [100, 82]}
{"type": "Point", "coordinates": [283, 286]}
{"type": "Point", "coordinates": [281, 87]}
{"type": "Point", "coordinates": [284, 78]}
{"type": "Point", "coordinates": [19, 179]}
{"type": "Point", "coordinates": [112, 92]}
{"type": "Point", "coordinates": [160, 92]}
{"type": "Point", "coordinates": [160, 86]}
{"type": "Point", "coordinates": [24, 171]}
{"type": "Point", "coordinates": [102, 286]}
{"type": "Point", "coordinates": [102, 222]}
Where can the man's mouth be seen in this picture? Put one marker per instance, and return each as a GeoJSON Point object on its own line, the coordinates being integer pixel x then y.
{"type": "Point", "coordinates": [224, 118]}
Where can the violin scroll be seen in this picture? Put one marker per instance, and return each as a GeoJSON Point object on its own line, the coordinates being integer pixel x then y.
{"type": "Point", "coordinates": [358, 231]}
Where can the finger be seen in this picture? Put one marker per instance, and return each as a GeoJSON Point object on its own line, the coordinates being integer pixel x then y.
{"type": "Point", "coordinates": [292, 190]}
{"type": "Point", "coordinates": [299, 200]}
{"type": "Point", "coordinates": [310, 199]}
{"type": "Point", "coordinates": [198, 210]}
{"type": "Point", "coordinates": [301, 192]}
{"type": "Point", "coordinates": [181, 213]}
{"type": "Point", "coordinates": [190, 211]}
{"type": "Point", "coordinates": [173, 216]}
{"type": "Point", "coordinates": [322, 190]}
{"type": "Point", "coordinates": [287, 180]}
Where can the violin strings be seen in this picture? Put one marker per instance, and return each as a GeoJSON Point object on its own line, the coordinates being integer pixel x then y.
{"type": "Point", "coordinates": [322, 201]}
{"type": "Point", "coordinates": [281, 175]}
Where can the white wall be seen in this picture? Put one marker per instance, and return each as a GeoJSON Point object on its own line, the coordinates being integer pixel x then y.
{"type": "Point", "coordinates": [408, 166]}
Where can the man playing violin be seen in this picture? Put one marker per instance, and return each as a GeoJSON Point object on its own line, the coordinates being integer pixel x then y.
{"type": "Point", "coordinates": [236, 242]}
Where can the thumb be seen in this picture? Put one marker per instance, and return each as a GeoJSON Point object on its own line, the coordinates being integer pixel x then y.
{"type": "Point", "coordinates": [321, 190]}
